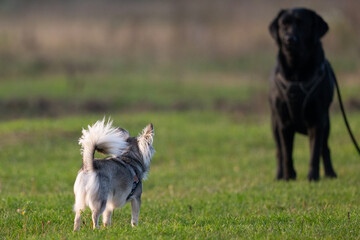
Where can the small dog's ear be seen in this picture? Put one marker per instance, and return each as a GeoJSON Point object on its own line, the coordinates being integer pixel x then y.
{"type": "Point", "coordinates": [274, 27]}
{"type": "Point", "coordinates": [320, 27]}
{"type": "Point", "coordinates": [147, 134]}
{"type": "Point", "coordinates": [145, 140]}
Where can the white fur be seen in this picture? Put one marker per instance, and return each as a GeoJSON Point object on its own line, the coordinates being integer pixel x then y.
{"type": "Point", "coordinates": [145, 140]}
{"type": "Point", "coordinates": [103, 136]}
{"type": "Point", "coordinates": [86, 186]}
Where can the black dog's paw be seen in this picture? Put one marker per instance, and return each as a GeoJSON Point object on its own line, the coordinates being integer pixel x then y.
{"type": "Point", "coordinates": [292, 175]}
{"type": "Point", "coordinates": [286, 177]}
{"type": "Point", "coordinates": [313, 176]}
{"type": "Point", "coordinates": [330, 174]}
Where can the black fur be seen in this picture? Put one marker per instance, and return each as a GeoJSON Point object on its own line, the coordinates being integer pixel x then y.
{"type": "Point", "coordinates": [301, 90]}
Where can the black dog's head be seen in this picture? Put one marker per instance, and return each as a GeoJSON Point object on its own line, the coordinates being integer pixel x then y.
{"type": "Point", "coordinates": [298, 29]}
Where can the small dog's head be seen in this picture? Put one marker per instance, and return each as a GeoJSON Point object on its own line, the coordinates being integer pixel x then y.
{"type": "Point", "coordinates": [298, 29]}
{"type": "Point", "coordinates": [141, 147]}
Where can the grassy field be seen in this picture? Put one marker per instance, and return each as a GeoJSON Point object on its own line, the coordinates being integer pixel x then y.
{"type": "Point", "coordinates": [199, 72]}
{"type": "Point", "coordinates": [212, 177]}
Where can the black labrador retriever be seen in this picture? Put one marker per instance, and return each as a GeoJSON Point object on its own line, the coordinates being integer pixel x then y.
{"type": "Point", "coordinates": [301, 90]}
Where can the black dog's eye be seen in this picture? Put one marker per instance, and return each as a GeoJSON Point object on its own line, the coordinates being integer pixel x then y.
{"type": "Point", "coordinates": [286, 23]}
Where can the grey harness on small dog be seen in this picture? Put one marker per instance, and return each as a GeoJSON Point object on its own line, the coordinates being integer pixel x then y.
{"type": "Point", "coordinates": [134, 186]}
{"type": "Point", "coordinates": [129, 164]}
{"type": "Point", "coordinates": [299, 93]}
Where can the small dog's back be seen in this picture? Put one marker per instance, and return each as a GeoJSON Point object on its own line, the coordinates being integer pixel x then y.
{"type": "Point", "coordinates": [105, 184]}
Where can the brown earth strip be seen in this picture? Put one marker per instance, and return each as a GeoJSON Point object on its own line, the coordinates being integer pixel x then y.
{"type": "Point", "coordinates": [43, 107]}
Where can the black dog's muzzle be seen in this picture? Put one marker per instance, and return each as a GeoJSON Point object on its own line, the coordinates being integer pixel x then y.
{"type": "Point", "coordinates": [290, 40]}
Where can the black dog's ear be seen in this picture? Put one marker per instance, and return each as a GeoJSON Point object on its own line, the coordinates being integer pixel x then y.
{"type": "Point", "coordinates": [274, 27]}
{"type": "Point", "coordinates": [320, 27]}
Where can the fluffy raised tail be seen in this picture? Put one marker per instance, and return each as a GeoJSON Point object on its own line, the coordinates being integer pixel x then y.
{"type": "Point", "coordinates": [104, 138]}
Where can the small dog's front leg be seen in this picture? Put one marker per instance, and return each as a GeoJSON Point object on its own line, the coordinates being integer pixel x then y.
{"type": "Point", "coordinates": [95, 219]}
{"type": "Point", "coordinates": [107, 218]}
{"type": "Point", "coordinates": [77, 221]}
{"type": "Point", "coordinates": [135, 210]}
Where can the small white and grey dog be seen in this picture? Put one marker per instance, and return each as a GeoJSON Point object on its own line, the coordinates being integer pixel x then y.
{"type": "Point", "coordinates": [106, 184]}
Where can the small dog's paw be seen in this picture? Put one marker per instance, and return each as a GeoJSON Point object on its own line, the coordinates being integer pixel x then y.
{"type": "Point", "coordinates": [134, 224]}
{"type": "Point", "coordinates": [76, 226]}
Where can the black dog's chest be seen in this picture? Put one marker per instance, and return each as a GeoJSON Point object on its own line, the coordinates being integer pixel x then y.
{"type": "Point", "coordinates": [294, 102]}
{"type": "Point", "coordinates": [295, 96]}
{"type": "Point", "coordinates": [295, 99]}
{"type": "Point", "coordinates": [291, 104]}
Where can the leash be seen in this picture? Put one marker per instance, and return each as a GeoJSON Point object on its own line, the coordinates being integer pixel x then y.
{"type": "Point", "coordinates": [343, 113]}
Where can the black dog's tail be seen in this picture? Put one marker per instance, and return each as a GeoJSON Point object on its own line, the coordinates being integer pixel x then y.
{"type": "Point", "coordinates": [344, 115]}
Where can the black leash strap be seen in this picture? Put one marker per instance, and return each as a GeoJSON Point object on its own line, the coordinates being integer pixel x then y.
{"type": "Point", "coordinates": [345, 118]}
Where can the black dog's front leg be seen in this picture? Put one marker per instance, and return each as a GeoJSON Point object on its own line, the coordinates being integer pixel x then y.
{"type": "Point", "coordinates": [275, 129]}
{"type": "Point", "coordinates": [316, 135]}
{"type": "Point", "coordinates": [329, 171]}
{"type": "Point", "coordinates": [287, 140]}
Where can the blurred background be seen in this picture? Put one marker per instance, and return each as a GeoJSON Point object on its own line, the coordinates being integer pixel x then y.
{"type": "Point", "coordinates": [73, 57]}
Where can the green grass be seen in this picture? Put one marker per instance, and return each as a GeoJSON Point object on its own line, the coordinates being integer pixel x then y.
{"type": "Point", "coordinates": [212, 177]}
